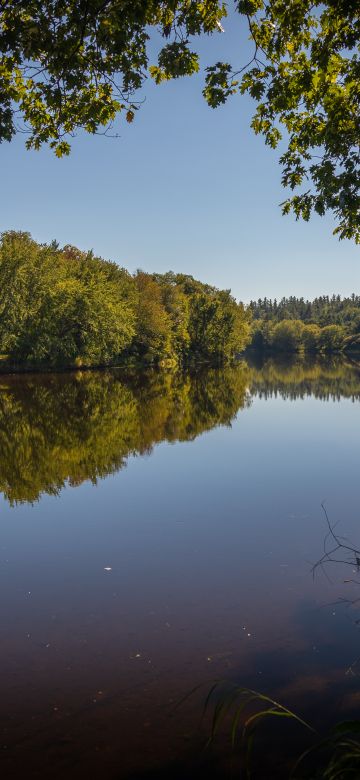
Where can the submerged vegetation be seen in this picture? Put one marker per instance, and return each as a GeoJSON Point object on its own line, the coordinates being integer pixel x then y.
{"type": "Point", "coordinates": [65, 307]}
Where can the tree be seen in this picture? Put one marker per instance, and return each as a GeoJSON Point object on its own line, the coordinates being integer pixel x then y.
{"type": "Point", "coordinates": [261, 334]}
{"type": "Point", "coordinates": [218, 326]}
{"type": "Point", "coordinates": [331, 338]}
{"type": "Point", "coordinates": [304, 76]}
{"type": "Point", "coordinates": [62, 306]}
{"type": "Point", "coordinates": [67, 307]}
{"type": "Point", "coordinates": [311, 337]}
{"type": "Point", "coordinates": [322, 311]}
{"type": "Point", "coordinates": [176, 304]}
{"type": "Point", "coordinates": [287, 335]}
{"type": "Point", "coordinates": [153, 325]}
{"type": "Point", "coordinates": [70, 64]}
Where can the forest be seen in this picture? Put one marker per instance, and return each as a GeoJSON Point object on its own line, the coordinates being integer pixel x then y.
{"type": "Point", "coordinates": [63, 307]}
{"type": "Point", "coordinates": [326, 324]}
{"type": "Point", "coordinates": [69, 308]}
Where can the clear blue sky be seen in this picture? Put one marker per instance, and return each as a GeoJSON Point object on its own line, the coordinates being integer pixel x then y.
{"type": "Point", "coordinates": [185, 188]}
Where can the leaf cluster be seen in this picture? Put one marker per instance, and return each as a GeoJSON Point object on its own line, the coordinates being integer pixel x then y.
{"type": "Point", "coordinates": [305, 78]}
{"type": "Point", "coordinates": [71, 64]}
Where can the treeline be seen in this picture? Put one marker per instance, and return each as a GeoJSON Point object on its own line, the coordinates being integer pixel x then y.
{"type": "Point", "coordinates": [66, 307]}
{"type": "Point", "coordinates": [326, 324]}
{"type": "Point", "coordinates": [322, 311]}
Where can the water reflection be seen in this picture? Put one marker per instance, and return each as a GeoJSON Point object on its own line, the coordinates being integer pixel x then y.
{"type": "Point", "coordinates": [60, 429]}
{"type": "Point", "coordinates": [290, 377]}
{"type": "Point", "coordinates": [64, 429]}
{"type": "Point", "coordinates": [209, 545]}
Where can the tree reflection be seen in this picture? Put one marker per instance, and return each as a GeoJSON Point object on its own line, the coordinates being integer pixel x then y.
{"type": "Point", "coordinates": [62, 429]}
{"type": "Point", "coordinates": [292, 378]}
{"type": "Point", "coordinates": [58, 429]}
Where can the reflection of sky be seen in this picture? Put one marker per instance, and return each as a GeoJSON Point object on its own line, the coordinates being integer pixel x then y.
{"type": "Point", "coordinates": [211, 544]}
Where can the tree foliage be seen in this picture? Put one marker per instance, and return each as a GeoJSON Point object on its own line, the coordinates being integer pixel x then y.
{"type": "Point", "coordinates": [179, 316]}
{"type": "Point", "coordinates": [305, 78]}
{"type": "Point", "coordinates": [70, 64]}
{"type": "Point", "coordinates": [286, 335]}
{"type": "Point", "coordinates": [62, 307]}
{"type": "Point", "coordinates": [67, 307]}
{"type": "Point", "coordinates": [153, 333]}
{"type": "Point", "coordinates": [324, 310]}
{"type": "Point", "coordinates": [295, 336]}
{"type": "Point", "coordinates": [326, 324]}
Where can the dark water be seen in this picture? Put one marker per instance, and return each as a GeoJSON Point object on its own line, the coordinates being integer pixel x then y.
{"type": "Point", "coordinates": [202, 496]}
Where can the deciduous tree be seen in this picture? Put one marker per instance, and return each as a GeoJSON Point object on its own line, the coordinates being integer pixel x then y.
{"type": "Point", "coordinates": [70, 64]}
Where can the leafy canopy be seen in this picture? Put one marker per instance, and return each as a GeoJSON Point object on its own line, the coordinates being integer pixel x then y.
{"type": "Point", "coordinates": [70, 64]}
{"type": "Point", "coordinates": [62, 306]}
{"type": "Point", "coordinates": [294, 324]}
{"type": "Point", "coordinates": [67, 307]}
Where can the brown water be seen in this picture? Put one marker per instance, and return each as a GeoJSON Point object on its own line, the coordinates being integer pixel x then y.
{"type": "Point", "coordinates": [158, 532]}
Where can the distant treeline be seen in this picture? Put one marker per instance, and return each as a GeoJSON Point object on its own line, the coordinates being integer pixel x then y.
{"type": "Point", "coordinates": [66, 307]}
{"type": "Point", "coordinates": [326, 324]}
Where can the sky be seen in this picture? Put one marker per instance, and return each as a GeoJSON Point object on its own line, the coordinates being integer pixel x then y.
{"type": "Point", "coordinates": [184, 188]}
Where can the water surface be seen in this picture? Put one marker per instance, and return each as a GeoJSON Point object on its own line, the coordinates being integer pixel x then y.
{"type": "Point", "coordinates": [158, 532]}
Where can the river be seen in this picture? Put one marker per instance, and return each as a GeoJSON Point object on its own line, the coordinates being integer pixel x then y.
{"type": "Point", "coordinates": [158, 532]}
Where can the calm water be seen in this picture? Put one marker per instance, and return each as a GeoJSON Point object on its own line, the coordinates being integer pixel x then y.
{"type": "Point", "coordinates": [158, 532]}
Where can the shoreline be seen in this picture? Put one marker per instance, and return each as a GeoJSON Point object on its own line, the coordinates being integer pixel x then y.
{"type": "Point", "coordinates": [7, 369]}
{"type": "Point", "coordinates": [168, 364]}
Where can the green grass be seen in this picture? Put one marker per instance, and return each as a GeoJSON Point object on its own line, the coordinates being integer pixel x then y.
{"type": "Point", "coordinates": [241, 711]}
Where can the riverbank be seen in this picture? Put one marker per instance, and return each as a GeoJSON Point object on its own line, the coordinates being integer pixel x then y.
{"type": "Point", "coordinates": [130, 366]}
